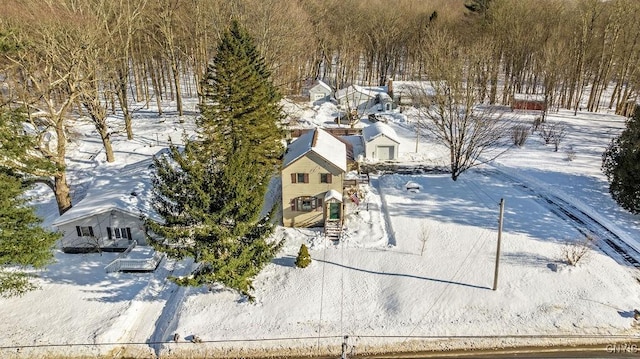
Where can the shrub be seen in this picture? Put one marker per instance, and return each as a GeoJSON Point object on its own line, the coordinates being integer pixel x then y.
{"type": "Point", "coordinates": [571, 154]}
{"type": "Point", "coordinates": [536, 124]}
{"type": "Point", "coordinates": [519, 135]}
{"type": "Point", "coordinates": [553, 134]}
{"type": "Point", "coordinates": [574, 252]}
{"type": "Point", "coordinates": [304, 259]}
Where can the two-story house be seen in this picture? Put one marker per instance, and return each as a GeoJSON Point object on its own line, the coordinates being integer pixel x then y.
{"type": "Point", "coordinates": [312, 181]}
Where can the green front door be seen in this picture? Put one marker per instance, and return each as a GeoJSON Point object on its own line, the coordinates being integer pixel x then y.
{"type": "Point", "coordinates": [334, 211]}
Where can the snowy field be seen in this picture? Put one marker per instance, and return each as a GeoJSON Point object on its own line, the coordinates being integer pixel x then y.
{"type": "Point", "coordinates": [374, 286]}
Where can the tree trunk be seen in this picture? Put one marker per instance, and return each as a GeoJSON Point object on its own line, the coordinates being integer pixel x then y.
{"type": "Point", "coordinates": [121, 92]}
{"type": "Point", "coordinates": [62, 192]}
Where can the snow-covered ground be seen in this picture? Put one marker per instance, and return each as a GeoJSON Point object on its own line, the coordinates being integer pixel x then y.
{"type": "Point", "coordinates": [374, 286]}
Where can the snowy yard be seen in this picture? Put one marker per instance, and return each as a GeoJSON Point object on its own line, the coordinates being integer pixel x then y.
{"type": "Point", "coordinates": [374, 286]}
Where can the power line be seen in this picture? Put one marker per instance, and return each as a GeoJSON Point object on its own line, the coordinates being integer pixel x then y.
{"type": "Point", "coordinates": [324, 265]}
{"type": "Point", "coordinates": [342, 286]}
{"type": "Point", "coordinates": [447, 286]}
{"type": "Point", "coordinates": [502, 336]}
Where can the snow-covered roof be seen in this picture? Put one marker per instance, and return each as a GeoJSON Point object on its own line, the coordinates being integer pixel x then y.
{"type": "Point", "coordinates": [129, 190]}
{"type": "Point", "coordinates": [332, 194]}
{"type": "Point", "coordinates": [528, 97]}
{"type": "Point", "coordinates": [353, 89]}
{"type": "Point", "coordinates": [323, 84]}
{"type": "Point", "coordinates": [408, 88]}
{"type": "Point", "coordinates": [384, 97]}
{"type": "Point", "coordinates": [320, 142]}
{"type": "Point", "coordinates": [378, 129]}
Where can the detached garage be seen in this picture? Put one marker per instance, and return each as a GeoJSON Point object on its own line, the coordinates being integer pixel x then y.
{"type": "Point", "coordinates": [381, 142]}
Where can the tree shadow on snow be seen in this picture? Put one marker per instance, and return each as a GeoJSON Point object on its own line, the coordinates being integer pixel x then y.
{"type": "Point", "coordinates": [286, 261]}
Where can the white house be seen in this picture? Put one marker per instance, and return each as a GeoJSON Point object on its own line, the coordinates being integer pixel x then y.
{"type": "Point", "coordinates": [380, 142]}
{"type": "Point", "coordinates": [404, 92]}
{"type": "Point", "coordinates": [356, 97]}
{"type": "Point", "coordinates": [320, 91]}
{"type": "Point", "coordinates": [110, 216]}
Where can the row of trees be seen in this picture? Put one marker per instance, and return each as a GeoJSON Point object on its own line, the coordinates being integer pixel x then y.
{"type": "Point", "coordinates": [60, 59]}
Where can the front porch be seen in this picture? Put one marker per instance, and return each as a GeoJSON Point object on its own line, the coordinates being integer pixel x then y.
{"type": "Point", "coordinates": [333, 214]}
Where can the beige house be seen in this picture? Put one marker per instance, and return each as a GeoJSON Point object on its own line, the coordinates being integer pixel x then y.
{"type": "Point", "coordinates": [312, 181]}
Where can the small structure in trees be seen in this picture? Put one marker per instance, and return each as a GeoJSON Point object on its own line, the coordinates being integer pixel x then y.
{"type": "Point", "coordinates": [356, 97]}
{"type": "Point", "coordinates": [381, 142]}
{"type": "Point", "coordinates": [522, 101]}
{"type": "Point", "coordinates": [320, 91]}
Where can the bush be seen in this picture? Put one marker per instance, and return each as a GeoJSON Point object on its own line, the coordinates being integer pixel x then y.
{"type": "Point", "coordinates": [304, 259]}
{"type": "Point", "coordinates": [536, 124]}
{"type": "Point", "coordinates": [553, 134]}
{"type": "Point", "coordinates": [519, 135]}
{"type": "Point", "coordinates": [571, 154]}
{"type": "Point", "coordinates": [574, 252]}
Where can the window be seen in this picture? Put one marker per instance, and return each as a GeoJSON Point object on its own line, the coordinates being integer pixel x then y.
{"type": "Point", "coordinates": [118, 233]}
{"type": "Point", "coordinates": [299, 178]}
{"type": "Point", "coordinates": [306, 204]}
{"type": "Point", "coordinates": [325, 178]}
{"type": "Point", "coordinates": [84, 231]}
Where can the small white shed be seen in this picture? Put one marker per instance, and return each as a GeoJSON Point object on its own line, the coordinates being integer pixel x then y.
{"type": "Point", "coordinates": [381, 142]}
{"type": "Point", "coordinates": [320, 91]}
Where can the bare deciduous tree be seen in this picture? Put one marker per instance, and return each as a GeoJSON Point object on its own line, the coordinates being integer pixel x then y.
{"type": "Point", "coordinates": [450, 108]}
{"type": "Point", "coordinates": [424, 237]}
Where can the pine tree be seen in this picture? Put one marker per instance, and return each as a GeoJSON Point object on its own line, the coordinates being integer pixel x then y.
{"type": "Point", "coordinates": [15, 144]}
{"type": "Point", "coordinates": [240, 115]}
{"type": "Point", "coordinates": [23, 243]}
{"type": "Point", "coordinates": [304, 259]}
{"type": "Point", "coordinates": [621, 165]}
{"type": "Point", "coordinates": [211, 194]}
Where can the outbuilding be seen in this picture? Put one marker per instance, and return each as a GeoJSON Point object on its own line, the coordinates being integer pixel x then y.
{"type": "Point", "coordinates": [381, 142]}
{"type": "Point", "coordinates": [523, 101]}
{"type": "Point", "coordinates": [320, 91]}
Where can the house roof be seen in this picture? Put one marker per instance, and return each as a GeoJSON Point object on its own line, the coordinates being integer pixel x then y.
{"type": "Point", "coordinates": [323, 84]}
{"type": "Point", "coordinates": [409, 88]}
{"type": "Point", "coordinates": [320, 142]}
{"type": "Point", "coordinates": [129, 190]}
{"type": "Point", "coordinates": [528, 97]}
{"type": "Point", "coordinates": [378, 129]}
{"type": "Point", "coordinates": [353, 89]}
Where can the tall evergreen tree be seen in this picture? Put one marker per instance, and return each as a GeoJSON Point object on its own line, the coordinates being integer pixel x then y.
{"type": "Point", "coordinates": [212, 193]}
{"type": "Point", "coordinates": [23, 243]}
{"type": "Point", "coordinates": [621, 165]}
{"type": "Point", "coordinates": [16, 146]}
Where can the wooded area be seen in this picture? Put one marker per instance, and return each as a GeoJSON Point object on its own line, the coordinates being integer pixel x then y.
{"type": "Point", "coordinates": [60, 59]}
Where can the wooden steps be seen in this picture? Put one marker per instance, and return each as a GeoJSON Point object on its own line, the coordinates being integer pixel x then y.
{"type": "Point", "coordinates": [333, 230]}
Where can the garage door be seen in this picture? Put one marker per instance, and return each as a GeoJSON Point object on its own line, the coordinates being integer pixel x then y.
{"type": "Point", "coordinates": [385, 152]}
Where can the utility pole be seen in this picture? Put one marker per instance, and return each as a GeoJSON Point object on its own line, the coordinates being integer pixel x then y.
{"type": "Point", "coordinates": [344, 348]}
{"type": "Point", "coordinates": [495, 277]}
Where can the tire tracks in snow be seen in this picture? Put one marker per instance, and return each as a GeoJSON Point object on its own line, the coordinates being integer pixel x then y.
{"type": "Point", "coordinates": [609, 238]}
